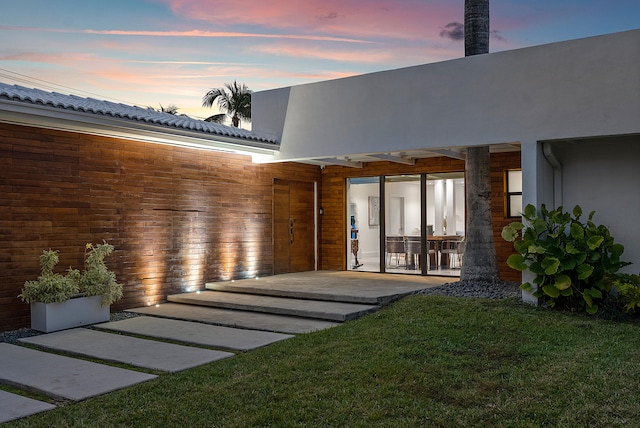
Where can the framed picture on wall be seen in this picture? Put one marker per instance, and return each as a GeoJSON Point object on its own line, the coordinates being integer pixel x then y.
{"type": "Point", "coordinates": [374, 211]}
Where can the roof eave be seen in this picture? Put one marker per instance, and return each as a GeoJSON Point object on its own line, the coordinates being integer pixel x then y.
{"type": "Point", "coordinates": [49, 117]}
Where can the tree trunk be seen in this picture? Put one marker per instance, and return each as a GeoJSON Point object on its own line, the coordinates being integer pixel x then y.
{"type": "Point", "coordinates": [480, 262]}
{"type": "Point", "coordinates": [476, 27]}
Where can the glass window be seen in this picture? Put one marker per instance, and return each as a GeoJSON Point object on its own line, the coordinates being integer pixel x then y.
{"type": "Point", "coordinates": [514, 193]}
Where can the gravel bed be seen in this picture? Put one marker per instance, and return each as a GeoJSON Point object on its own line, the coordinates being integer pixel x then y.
{"type": "Point", "coordinates": [487, 290]}
{"type": "Point", "coordinates": [13, 336]}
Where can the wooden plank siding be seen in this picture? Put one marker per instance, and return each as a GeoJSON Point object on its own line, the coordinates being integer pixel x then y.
{"type": "Point", "coordinates": [177, 217]}
{"type": "Point", "coordinates": [334, 224]}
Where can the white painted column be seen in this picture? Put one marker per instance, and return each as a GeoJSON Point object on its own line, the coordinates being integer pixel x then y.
{"type": "Point", "coordinates": [537, 189]}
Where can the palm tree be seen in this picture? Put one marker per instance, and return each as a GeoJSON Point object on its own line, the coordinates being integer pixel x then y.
{"type": "Point", "coordinates": [480, 261]}
{"type": "Point", "coordinates": [476, 27]}
{"type": "Point", "coordinates": [234, 99]}
{"type": "Point", "coordinates": [171, 109]}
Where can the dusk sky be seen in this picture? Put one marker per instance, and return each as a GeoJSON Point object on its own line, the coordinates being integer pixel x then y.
{"type": "Point", "coordinates": [152, 52]}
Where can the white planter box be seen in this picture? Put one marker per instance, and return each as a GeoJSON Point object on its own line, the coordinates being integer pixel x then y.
{"type": "Point", "coordinates": [76, 312]}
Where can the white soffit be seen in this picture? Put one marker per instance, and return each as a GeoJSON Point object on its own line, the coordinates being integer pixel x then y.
{"type": "Point", "coordinates": [408, 157]}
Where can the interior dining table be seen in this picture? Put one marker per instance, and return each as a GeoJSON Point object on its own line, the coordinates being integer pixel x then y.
{"type": "Point", "coordinates": [433, 257]}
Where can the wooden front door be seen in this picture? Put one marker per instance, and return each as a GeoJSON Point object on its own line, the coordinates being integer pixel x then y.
{"type": "Point", "coordinates": [293, 226]}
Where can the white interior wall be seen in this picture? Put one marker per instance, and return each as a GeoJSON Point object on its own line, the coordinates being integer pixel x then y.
{"type": "Point", "coordinates": [459, 201]}
{"type": "Point", "coordinates": [369, 236]}
{"type": "Point", "coordinates": [410, 192]}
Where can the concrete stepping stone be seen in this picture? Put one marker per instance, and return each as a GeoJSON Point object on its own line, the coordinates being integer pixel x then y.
{"type": "Point", "coordinates": [62, 377]}
{"type": "Point", "coordinates": [13, 406]}
{"type": "Point", "coordinates": [235, 318]}
{"type": "Point", "coordinates": [198, 333]}
{"type": "Point", "coordinates": [125, 349]}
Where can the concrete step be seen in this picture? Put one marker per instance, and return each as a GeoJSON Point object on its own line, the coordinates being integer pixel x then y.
{"type": "Point", "coordinates": [235, 318]}
{"type": "Point", "coordinates": [248, 287]}
{"type": "Point", "coordinates": [319, 309]}
{"type": "Point", "coordinates": [214, 336]}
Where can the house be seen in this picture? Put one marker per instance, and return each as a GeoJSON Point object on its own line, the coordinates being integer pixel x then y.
{"type": "Point", "coordinates": [331, 174]}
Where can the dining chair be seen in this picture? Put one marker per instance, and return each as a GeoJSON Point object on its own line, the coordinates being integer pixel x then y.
{"type": "Point", "coordinates": [412, 249]}
{"type": "Point", "coordinates": [450, 252]}
{"type": "Point", "coordinates": [394, 246]}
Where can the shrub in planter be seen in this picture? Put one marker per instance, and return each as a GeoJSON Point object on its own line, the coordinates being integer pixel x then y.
{"type": "Point", "coordinates": [573, 261]}
{"type": "Point", "coordinates": [95, 280]}
{"type": "Point", "coordinates": [50, 287]}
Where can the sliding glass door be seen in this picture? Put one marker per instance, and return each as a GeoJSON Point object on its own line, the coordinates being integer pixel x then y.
{"type": "Point", "coordinates": [416, 225]}
{"type": "Point", "coordinates": [363, 224]}
{"type": "Point", "coordinates": [402, 224]}
{"type": "Point", "coordinates": [445, 215]}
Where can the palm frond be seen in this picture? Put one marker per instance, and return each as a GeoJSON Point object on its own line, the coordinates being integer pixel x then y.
{"type": "Point", "coordinates": [216, 118]}
{"type": "Point", "coordinates": [234, 99]}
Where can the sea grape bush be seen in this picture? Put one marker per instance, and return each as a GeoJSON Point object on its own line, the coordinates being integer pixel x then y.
{"type": "Point", "coordinates": [574, 262]}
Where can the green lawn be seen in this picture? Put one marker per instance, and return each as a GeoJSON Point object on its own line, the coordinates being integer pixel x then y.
{"type": "Point", "coordinates": [423, 361]}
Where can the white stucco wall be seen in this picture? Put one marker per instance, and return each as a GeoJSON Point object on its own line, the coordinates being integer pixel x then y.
{"type": "Point", "coordinates": [586, 87]}
{"type": "Point", "coordinates": [604, 175]}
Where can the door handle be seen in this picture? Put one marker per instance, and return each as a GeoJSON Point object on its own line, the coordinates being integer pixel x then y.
{"type": "Point", "coordinates": [291, 234]}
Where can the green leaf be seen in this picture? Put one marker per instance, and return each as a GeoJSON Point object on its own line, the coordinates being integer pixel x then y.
{"type": "Point", "coordinates": [566, 292]}
{"type": "Point", "coordinates": [617, 249]}
{"type": "Point", "coordinates": [526, 286]}
{"type": "Point", "coordinates": [594, 292]}
{"type": "Point", "coordinates": [510, 232]}
{"type": "Point", "coordinates": [571, 249]}
{"type": "Point", "coordinates": [536, 268]}
{"type": "Point", "coordinates": [536, 249]}
{"type": "Point", "coordinates": [594, 242]}
{"type": "Point", "coordinates": [539, 226]}
{"type": "Point", "coordinates": [580, 258]}
{"type": "Point", "coordinates": [521, 246]}
{"type": "Point", "coordinates": [562, 282]}
{"type": "Point", "coordinates": [577, 231]}
{"type": "Point", "coordinates": [567, 264]}
{"type": "Point", "coordinates": [584, 271]}
{"type": "Point", "coordinates": [550, 265]}
{"type": "Point", "coordinates": [530, 211]}
{"type": "Point", "coordinates": [587, 299]}
{"type": "Point", "coordinates": [591, 310]}
{"type": "Point", "coordinates": [517, 262]}
{"type": "Point", "coordinates": [551, 291]}
{"type": "Point", "coordinates": [577, 211]}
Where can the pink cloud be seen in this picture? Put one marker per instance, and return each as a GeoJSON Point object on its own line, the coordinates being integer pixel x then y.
{"type": "Point", "coordinates": [303, 51]}
{"type": "Point", "coordinates": [57, 58]}
{"type": "Point", "coordinates": [187, 33]}
{"type": "Point", "coordinates": [350, 18]}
